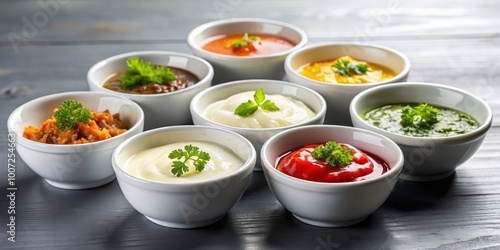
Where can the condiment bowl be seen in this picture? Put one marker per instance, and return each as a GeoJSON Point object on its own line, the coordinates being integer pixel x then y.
{"type": "Point", "coordinates": [186, 204]}
{"type": "Point", "coordinates": [327, 204]}
{"type": "Point", "coordinates": [257, 136]}
{"type": "Point", "coordinates": [427, 158]}
{"type": "Point", "coordinates": [72, 166]}
{"type": "Point", "coordinates": [339, 95]}
{"type": "Point", "coordinates": [229, 67]}
{"type": "Point", "coordinates": [164, 109]}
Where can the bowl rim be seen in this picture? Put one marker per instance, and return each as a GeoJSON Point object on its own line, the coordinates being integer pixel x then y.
{"type": "Point", "coordinates": [399, 77]}
{"type": "Point", "coordinates": [244, 167]}
{"type": "Point", "coordinates": [63, 148]}
{"type": "Point", "coordinates": [419, 141]}
{"type": "Point", "coordinates": [393, 172]}
{"type": "Point", "coordinates": [123, 56]}
{"type": "Point", "coordinates": [320, 113]}
{"type": "Point", "coordinates": [201, 28]}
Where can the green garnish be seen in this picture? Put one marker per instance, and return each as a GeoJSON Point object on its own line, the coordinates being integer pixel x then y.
{"type": "Point", "coordinates": [141, 72]}
{"type": "Point", "coordinates": [189, 153]}
{"type": "Point", "coordinates": [248, 108]}
{"type": "Point", "coordinates": [244, 41]}
{"type": "Point", "coordinates": [346, 67]}
{"type": "Point", "coordinates": [422, 117]}
{"type": "Point", "coordinates": [71, 112]}
{"type": "Point", "coordinates": [334, 154]}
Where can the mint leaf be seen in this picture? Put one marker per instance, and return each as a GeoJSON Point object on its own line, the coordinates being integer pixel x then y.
{"type": "Point", "coordinates": [248, 108]}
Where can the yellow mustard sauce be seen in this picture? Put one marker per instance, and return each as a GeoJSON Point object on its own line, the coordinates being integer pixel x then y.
{"type": "Point", "coordinates": [324, 71]}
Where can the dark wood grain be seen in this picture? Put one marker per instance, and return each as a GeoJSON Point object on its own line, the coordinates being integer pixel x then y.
{"type": "Point", "coordinates": [450, 42]}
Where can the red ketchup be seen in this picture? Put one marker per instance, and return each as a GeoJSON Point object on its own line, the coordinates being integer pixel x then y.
{"type": "Point", "coordinates": [301, 164]}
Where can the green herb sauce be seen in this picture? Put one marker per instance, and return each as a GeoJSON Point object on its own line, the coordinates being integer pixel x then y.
{"type": "Point", "coordinates": [450, 122]}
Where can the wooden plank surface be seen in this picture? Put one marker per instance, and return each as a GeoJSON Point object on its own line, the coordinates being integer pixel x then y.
{"type": "Point", "coordinates": [165, 21]}
{"type": "Point", "coordinates": [451, 42]}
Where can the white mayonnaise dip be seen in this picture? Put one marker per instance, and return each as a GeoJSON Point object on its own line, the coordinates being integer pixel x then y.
{"type": "Point", "coordinates": [290, 112]}
{"type": "Point", "coordinates": [155, 165]}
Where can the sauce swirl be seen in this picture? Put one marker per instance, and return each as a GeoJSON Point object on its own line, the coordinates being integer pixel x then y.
{"type": "Point", "coordinates": [291, 112]}
{"type": "Point", "coordinates": [184, 79]}
{"type": "Point", "coordinates": [450, 122]}
{"type": "Point", "coordinates": [301, 164]}
{"type": "Point", "coordinates": [324, 71]}
{"type": "Point", "coordinates": [262, 45]}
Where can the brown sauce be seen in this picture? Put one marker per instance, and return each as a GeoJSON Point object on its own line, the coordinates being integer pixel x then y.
{"type": "Point", "coordinates": [184, 80]}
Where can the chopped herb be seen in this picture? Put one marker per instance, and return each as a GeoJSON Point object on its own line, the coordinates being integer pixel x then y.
{"type": "Point", "coordinates": [142, 72]}
{"type": "Point", "coordinates": [346, 67]}
{"type": "Point", "coordinates": [422, 117]}
{"type": "Point", "coordinates": [248, 108]}
{"type": "Point", "coordinates": [445, 130]}
{"type": "Point", "coordinates": [71, 112]}
{"type": "Point", "coordinates": [192, 153]}
{"type": "Point", "coordinates": [245, 40]}
{"type": "Point", "coordinates": [334, 154]}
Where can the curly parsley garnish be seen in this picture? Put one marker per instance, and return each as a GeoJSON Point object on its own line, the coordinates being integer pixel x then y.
{"type": "Point", "coordinates": [248, 108]}
{"type": "Point", "coordinates": [192, 153]}
{"type": "Point", "coordinates": [346, 67]}
{"type": "Point", "coordinates": [422, 117]}
{"type": "Point", "coordinates": [71, 112]}
{"type": "Point", "coordinates": [141, 72]}
{"type": "Point", "coordinates": [334, 154]}
{"type": "Point", "coordinates": [244, 41]}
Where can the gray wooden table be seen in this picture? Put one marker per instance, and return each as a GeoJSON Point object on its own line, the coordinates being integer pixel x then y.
{"type": "Point", "coordinates": [47, 46]}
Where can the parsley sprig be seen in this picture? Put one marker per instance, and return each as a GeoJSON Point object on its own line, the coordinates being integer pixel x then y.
{"type": "Point", "coordinates": [248, 108]}
{"type": "Point", "coordinates": [69, 113]}
{"type": "Point", "coordinates": [334, 154]}
{"type": "Point", "coordinates": [422, 117]}
{"type": "Point", "coordinates": [245, 40]}
{"type": "Point", "coordinates": [142, 72]}
{"type": "Point", "coordinates": [346, 67]}
{"type": "Point", "coordinates": [190, 152]}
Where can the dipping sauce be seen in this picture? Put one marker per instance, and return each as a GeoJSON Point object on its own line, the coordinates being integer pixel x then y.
{"type": "Point", "coordinates": [184, 80]}
{"type": "Point", "coordinates": [290, 112]}
{"type": "Point", "coordinates": [324, 71]}
{"type": "Point", "coordinates": [449, 121]}
{"type": "Point", "coordinates": [103, 125]}
{"type": "Point", "coordinates": [301, 164]}
{"type": "Point", "coordinates": [155, 165]}
{"type": "Point", "coordinates": [246, 44]}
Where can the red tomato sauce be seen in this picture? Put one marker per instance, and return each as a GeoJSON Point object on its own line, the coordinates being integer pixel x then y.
{"type": "Point", "coordinates": [301, 164]}
{"type": "Point", "coordinates": [264, 45]}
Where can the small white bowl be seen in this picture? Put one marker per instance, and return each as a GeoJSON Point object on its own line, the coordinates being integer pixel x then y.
{"type": "Point", "coordinates": [427, 158]}
{"type": "Point", "coordinates": [75, 166]}
{"type": "Point", "coordinates": [338, 95]}
{"type": "Point", "coordinates": [257, 135]}
{"type": "Point", "coordinates": [230, 68]}
{"type": "Point", "coordinates": [159, 109]}
{"type": "Point", "coordinates": [184, 205]}
{"type": "Point", "coordinates": [331, 204]}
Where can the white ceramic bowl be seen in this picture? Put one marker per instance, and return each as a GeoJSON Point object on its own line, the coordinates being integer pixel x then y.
{"type": "Point", "coordinates": [159, 109]}
{"type": "Point", "coordinates": [331, 204]}
{"type": "Point", "coordinates": [427, 158]}
{"type": "Point", "coordinates": [230, 68]}
{"type": "Point", "coordinates": [76, 166]}
{"type": "Point", "coordinates": [257, 136]}
{"type": "Point", "coordinates": [338, 96]}
{"type": "Point", "coordinates": [184, 205]}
